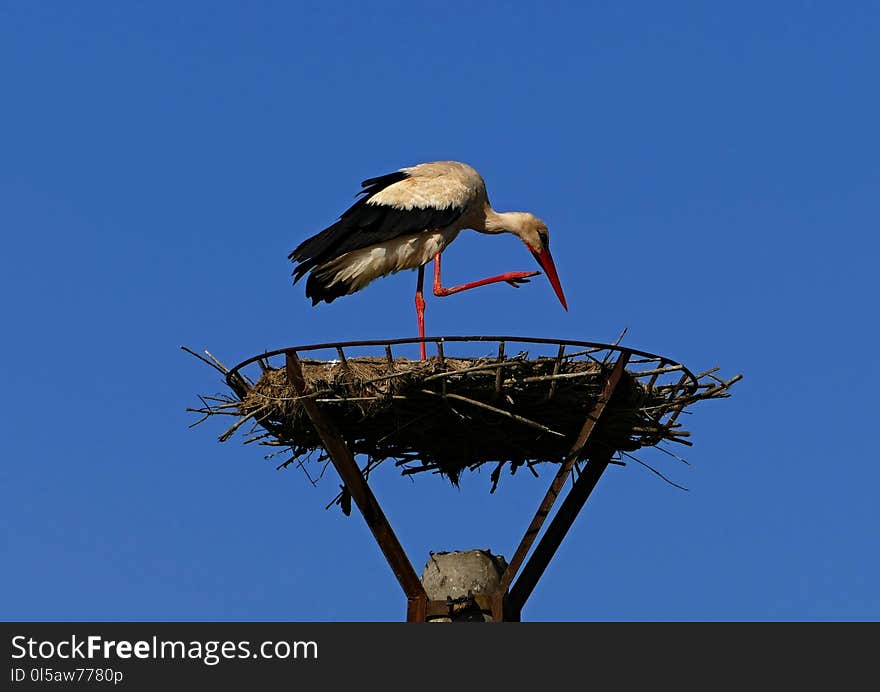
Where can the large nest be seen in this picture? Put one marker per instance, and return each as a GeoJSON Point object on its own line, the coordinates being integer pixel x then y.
{"type": "Point", "coordinates": [451, 414]}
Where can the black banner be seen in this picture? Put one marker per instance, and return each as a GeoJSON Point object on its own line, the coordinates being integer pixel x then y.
{"type": "Point", "coordinates": [267, 656]}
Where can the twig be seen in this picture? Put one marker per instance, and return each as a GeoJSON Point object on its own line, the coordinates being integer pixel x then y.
{"type": "Point", "coordinates": [346, 399]}
{"type": "Point", "coordinates": [225, 436]}
{"type": "Point", "coordinates": [561, 376]}
{"type": "Point", "coordinates": [499, 411]}
{"type": "Point", "coordinates": [389, 358]}
{"type": "Point", "coordinates": [653, 470]}
{"type": "Point", "coordinates": [556, 366]}
{"type": "Point", "coordinates": [498, 372]}
{"type": "Point", "coordinates": [657, 371]}
{"type": "Point", "coordinates": [205, 417]}
{"type": "Point", "coordinates": [472, 369]}
{"type": "Point", "coordinates": [586, 352]}
{"type": "Point", "coordinates": [219, 365]}
{"type": "Point", "coordinates": [214, 364]}
{"type": "Point", "coordinates": [495, 476]}
{"type": "Point", "coordinates": [674, 456]}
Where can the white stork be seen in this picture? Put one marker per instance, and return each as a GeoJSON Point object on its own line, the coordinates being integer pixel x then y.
{"type": "Point", "coordinates": [403, 221]}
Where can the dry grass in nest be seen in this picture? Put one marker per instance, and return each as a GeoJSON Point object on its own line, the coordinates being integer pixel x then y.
{"type": "Point", "coordinates": [448, 415]}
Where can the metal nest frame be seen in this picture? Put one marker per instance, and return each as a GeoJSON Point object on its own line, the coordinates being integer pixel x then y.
{"type": "Point", "coordinates": [506, 603]}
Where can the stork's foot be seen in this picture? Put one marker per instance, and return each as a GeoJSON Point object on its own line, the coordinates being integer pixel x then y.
{"type": "Point", "coordinates": [515, 279]}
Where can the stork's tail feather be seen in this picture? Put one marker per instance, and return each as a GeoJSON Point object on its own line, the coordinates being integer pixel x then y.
{"type": "Point", "coordinates": [310, 249]}
{"type": "Point", "coordinates": [321, 287]}
{"type": "Point", "coordinates": [300, 270]}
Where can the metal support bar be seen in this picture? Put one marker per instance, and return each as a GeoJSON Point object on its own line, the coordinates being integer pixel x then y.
{"type": "Point", "coordinates": [559, 526]}
{"type": "Point", "coordinates": [450, 608]}
{"type": "Point", "coordinates": [361, 493]}
{"type": "Point", "coordinates": [417, 609]}
{"type": "Point", "coordinates": [502, 605]}
{"type": "Point", "coordinates": [497, 601]}
{"type": "Point", "coordinates": [563, 473]}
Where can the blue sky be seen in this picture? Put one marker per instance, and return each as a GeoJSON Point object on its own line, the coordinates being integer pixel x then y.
{"type": "Point", "coordinates": [710, 177]}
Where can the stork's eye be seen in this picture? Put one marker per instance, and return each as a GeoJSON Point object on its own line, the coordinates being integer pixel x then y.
{"type": "Point", "coordinates": [545, 238]}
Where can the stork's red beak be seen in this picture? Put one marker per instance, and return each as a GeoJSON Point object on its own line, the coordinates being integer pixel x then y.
{"type": "Point", "coordinates": [546, 261]}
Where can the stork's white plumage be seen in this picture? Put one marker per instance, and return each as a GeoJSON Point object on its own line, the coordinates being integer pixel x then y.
{"type": "Point", "coordinates": [403, 221]}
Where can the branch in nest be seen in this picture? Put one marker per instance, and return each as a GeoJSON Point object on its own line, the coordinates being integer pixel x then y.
{"type": "Point", "coordinates": [499, 411]}
{"type": "Point", "coordinates": [225, 436]}
{"type": "Point", "coordinates": [214, 363]}
{"type": "Point", "coordinates": [653, 470]}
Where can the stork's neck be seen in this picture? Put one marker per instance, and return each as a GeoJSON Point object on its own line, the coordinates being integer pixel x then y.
{"type": "Point", "coordinates": [504, 222]}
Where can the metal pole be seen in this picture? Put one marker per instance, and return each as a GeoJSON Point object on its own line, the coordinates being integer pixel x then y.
{"type": "Point", "coordinates": [361, 493]}
{"type": "Point", "coordinates": [564, 471]}
{"type": "Point", "coordinates": [556, 532]}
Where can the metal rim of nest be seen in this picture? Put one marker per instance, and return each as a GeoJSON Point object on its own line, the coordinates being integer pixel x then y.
{"type": "Point", "coordinates": [689, 384]}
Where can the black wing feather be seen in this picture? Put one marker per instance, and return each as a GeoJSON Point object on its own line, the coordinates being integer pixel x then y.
{"type": "Point", "coordinates": [374, 185]}
{"type": "Point", "coordinates": [362, 225]}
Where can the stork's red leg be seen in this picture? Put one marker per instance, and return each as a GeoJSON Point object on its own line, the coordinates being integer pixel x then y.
{"type": "Point", "coordinates": [420, 310]}
{"type": "Point", "coordinates": [513, 278]}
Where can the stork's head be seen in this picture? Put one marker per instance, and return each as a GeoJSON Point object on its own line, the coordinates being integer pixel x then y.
{"type": "Point", "coordinates": [533, 232]}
